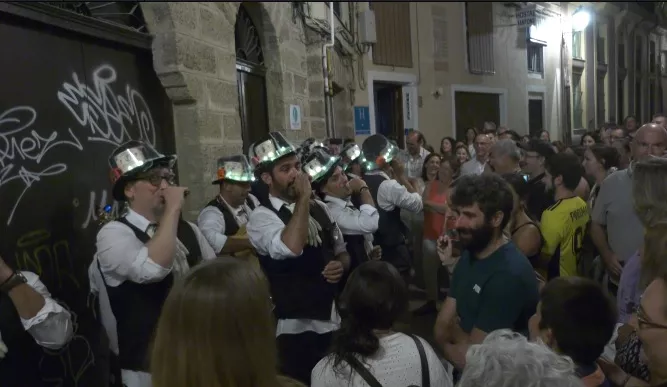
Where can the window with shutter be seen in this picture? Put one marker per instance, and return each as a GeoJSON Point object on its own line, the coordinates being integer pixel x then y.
{"type": "Point", "coordinates": [479, 33]}
{"type": "Point", "coordinates": [394, 44]}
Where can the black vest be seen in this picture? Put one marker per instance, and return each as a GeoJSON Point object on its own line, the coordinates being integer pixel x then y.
{"type": "Point", "coordinates": [298, 288]}
{"type": "Point", "coordinates": [137, 306]}
{"type": "Point", "coordinates": [231, 225]}
{"type": "Point", "coordinates": [355, 244]}
{"type": "Point", "coordinates": [391, 230]}
{"type": "Point", "coordinates": [20, 367]}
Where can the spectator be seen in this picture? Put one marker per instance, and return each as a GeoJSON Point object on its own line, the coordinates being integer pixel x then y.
{"type": "Point", "coordinates": [589, 139]}
{"type": "Point", "coordinates": [600, 161]}
{"type": "Point", "coordinates": [660, 119]}
{"type": "Point", "coordinates": [563, 225]}
{"type": "Point", "coordinates": [509, 359]}
{"type": "Point", "coordinates": [559, 146]}
{"type": "Point", "coordinates": [372, 301]}
{"type": "Point", "coordinates": [491, 131]}
{"type": "Point", "coordinates": [504, 157]}
{"type": "Point", "coordinates": [623, 148]}
{"type": "Point", "coordinates": [493, 285]}
{"type": "Point", "coordinates": [536, 153]}
{"type": "Point", "coordinates": [415, 143]}
{"type": "Point", "coordinates": [616, 230]}
{"type": "Point", "coordinates": [525, 139]}
{"type": "Point", "coordinates": [471, 136]}
{"type": "Point", "coordinates": [544, 136]}
{"type": "Point", "coordinates": [221, 301]}
{"type": "Point", "coordinates": [462, 154]}
{"type": "Point", "coordinates": [476, 165]}
{"type": "Point", "coordinates": [429, 172]}
{"type": "Point", "coordinates": [630, 125]}
{"type": "Point", "coordinates": [525, 233]}
{"type": "Point", "coordinates": [577, 319]}
{"type": "Point", "coordinates": [447, 146]}
{"type": "Point", "coordinates": [618, 134]}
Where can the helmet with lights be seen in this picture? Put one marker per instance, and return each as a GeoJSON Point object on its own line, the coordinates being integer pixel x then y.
{"type": "Point", "coordinates": [320, 165]}
{"type": "Point", "coordinates": [351, 153]}
{"type": "Point", "coordinates": [235, 169]}
{"type": "Point", "coordinates": [377, 151]}
{"type": "Point", "coordinates": [266, 152]}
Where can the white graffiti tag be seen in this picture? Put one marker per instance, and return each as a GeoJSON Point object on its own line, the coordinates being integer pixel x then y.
{"type": "Point", "coordinates": [19, 144]}
{"type": "Point", "coordinates": [109, 116]}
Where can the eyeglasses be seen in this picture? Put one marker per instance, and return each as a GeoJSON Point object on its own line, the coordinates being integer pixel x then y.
{"type": "Point", "coordinates": [155, 178]}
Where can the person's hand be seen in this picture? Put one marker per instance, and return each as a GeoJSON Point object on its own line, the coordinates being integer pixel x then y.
{"type": "Point", "coordinates": [376, 253]}
{"type": "Point", "coordinates": [5, 271]}
{"type": "Point", "coordinates": [444, 247]}
{"type": "Point", "coordinates": [613, 265]}
{"type": "Point", "coordinates": [174, 196]}
{"type": "Point", "coordinates": [302, 186]}
{"type": "Point", "coordinates": [398, 167]}
{"type": "Point", "coordinates": [612, 371]}
{"type": "Point", "coordinates": [356, 184]}
{"type": "Point", "coordinates": [333, 271]}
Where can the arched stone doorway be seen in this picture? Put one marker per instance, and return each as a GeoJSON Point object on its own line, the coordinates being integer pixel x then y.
{"type": "Point", "coordinates": [251, 79]}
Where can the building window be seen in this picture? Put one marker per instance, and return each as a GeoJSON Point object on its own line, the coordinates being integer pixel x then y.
{"type": "Point", "coordinates": [601, 101]}
{"type": "Point", "coordinates": [577, 45]}
{"type": "Point", "coordinates": [577, 101]}
{"type": "Point", "coordinates": [621, 56]}
{"type": "Point", "coordinates": [394, 39]}
{"type": "Point", "coordinates": [651, 56]}
{"type": "Point", "coordinates": [620, 98]}
{"type": "Point", "coordinates": [638, 101]}
{"type": "Point", "coordinates": [479, 36]}
{"type": "Point", "coordinates": [535, 53]}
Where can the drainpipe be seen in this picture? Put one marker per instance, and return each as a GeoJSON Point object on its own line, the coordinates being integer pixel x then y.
{"type": "Point", "coordinates": [328, 100]}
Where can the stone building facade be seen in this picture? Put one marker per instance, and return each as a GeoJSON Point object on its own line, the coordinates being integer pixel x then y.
{"type": "Point", "coordinates": [195, 57]}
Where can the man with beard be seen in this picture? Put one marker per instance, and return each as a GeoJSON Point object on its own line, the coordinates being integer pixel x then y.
{"type": "Point", "coordinates": [493, 285]}
{"type": "Point", "coordinates": [302, 252]}
{"type": "Point", "coordinates": [139, 254]}
{"type": "Point", "coordinates": [224, 218]}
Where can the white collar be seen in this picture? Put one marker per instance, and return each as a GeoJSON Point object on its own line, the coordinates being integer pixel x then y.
{"type": "Point", "coordinates": [277, 203]}
{"type": "Point", "coordinates": [235, 211]}
{"type": "Point", "coordinates": [338, 202]}
{"type": "Point", "coordinates": [137, 220]}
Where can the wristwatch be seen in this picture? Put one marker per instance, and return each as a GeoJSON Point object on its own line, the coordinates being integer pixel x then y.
{"type": "Point", "coordinates": [15, 280]}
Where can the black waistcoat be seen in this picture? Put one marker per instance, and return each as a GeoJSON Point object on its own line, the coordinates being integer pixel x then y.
{"type": "Point", "coordinates": [231, 225]}
{"type": "Point", "coordinates": [298, 288]}
{"type": "Point", "coordinates": [20, 367]}
{"type": "Point", "coordinates": [137, 307]}
{"type": "Point", "coordinates": [391, 230]}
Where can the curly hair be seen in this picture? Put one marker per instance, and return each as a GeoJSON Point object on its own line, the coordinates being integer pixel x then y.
{"type": "Point", "coordinates": [490, 192]}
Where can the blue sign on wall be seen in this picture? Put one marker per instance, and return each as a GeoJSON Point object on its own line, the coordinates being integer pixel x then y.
{"type": "Point", "coordinates": [362, 121]}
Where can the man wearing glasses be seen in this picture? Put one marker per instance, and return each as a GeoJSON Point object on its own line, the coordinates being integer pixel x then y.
{"type": "Point", "coordinates": [139, 254]}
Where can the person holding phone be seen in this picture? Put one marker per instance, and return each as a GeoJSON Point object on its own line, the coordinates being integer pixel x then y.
{"type": "Point", "coordinates": [139, 254]}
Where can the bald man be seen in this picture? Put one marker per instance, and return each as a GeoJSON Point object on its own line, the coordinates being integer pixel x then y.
{"type": "Point", "coordinates": [615, 227]}
{"type": "Point", "coordinates": [415, 142]}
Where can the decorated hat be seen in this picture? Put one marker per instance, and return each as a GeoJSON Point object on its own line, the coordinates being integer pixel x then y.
{"type": "Point", "coordinates": [319, 164]}
{"type": "Point", "coordinates": [270, 149]}
{"type": "Point", "coordinates": [233, 168]}
{"type": "Point", "coordinates": [307, 147]}
{"type": "Point", "coordinates": [349, 154]}
{"type": "Point", "coordinates": [377, 151]}
{"type": "Point", "coordinates": [131, 159]}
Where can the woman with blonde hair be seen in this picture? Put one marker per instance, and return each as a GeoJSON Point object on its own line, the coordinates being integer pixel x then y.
{"type": "Point", "coordinates": [217, 330]}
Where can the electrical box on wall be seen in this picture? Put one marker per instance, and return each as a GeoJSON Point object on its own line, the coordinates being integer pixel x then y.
{"type": "Point", "coordinates": [367, 32]}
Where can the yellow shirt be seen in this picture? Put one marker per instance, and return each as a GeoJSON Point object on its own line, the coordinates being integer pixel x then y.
{"type": "Point", "coordinates": [563, 227]}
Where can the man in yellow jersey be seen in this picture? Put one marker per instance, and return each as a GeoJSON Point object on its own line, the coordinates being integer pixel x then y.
{"type": "Point", "coordinates": [564, 224]}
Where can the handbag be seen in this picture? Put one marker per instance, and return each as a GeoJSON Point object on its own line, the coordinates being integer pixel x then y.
{"type": "Point", "coordinates": [373, 382]}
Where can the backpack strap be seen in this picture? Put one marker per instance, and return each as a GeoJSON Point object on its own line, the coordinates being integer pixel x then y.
{"type": "Point", "coordinates": [362, 371]}
{"type": "Point", "coordinates": [426, 377]}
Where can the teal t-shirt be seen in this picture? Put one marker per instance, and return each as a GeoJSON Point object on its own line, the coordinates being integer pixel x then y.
{"type": "Point", "coordinates": [498, 292]}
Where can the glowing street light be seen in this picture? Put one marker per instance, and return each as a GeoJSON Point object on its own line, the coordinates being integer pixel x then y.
{"type": "Point", "coordinates": [580, 19]}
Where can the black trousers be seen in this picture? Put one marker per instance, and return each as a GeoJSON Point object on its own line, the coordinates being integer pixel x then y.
{"type": "Point", "coordinates": [298, 354]}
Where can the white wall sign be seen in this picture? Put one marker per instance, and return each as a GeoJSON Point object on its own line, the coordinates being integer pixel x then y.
{"type": "Point", "coordinates": [409, 108]}
{"type": "Point", "coordinates": [295, 117]}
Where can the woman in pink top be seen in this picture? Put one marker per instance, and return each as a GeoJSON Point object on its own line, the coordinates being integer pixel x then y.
{"type": "Point", "coordinates": [435, 199]}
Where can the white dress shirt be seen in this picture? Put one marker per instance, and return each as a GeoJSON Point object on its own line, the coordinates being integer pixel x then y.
{"type": "Point", "coordinates": [51, 327]}
{"type": "Point", "coordinates": [122, 257]}
{"type": "Point", "coordinates": [414, 163]}
{"type": "Point", "coordinates": [392, 194]}
{"type": "Point", "coordinates": [211, 222]}
{"type": "Point", "coordinates": [265, 234]}
{"type": "Point", "coordinates": [472, 167]}
{"type": "Point", "coordinates": [352, 221]}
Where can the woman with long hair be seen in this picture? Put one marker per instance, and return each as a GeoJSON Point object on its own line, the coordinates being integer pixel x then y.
{"type": "Point", "coordinates": [469, 141]}
{"type": "Point", "coordinates": [599, 162]}
{"type": "Point", "coordinates": [589, 139]}
{"type": "Point", "coordinates": [523, 231]}
{"type": "Point", "coordinates": [217, 330]}
{"type": "Point", "coordinates": [462, 154]}
{"type": "Point", "coordinates": [435, 199]}
{"type": "Point", "coordinates": [373, 300]}
{"type": "Point", "coordinates": [429, 171]}
{"type": "Point", "coordinates": [447, 146]}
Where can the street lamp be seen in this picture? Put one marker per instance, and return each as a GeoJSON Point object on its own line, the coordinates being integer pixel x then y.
{"type": "Point", "coordinates": [580, 19]}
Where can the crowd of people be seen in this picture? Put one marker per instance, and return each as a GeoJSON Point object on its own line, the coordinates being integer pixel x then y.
{"type": "Point", "coordinates": [298, 271]}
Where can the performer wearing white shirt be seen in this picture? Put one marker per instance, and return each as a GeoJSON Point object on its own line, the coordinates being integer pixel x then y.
{"type": "Point", "coordinates": [302, 253]}
{"type": "Point", "coordinates": [29, 319]}
{"type": "Point", "coordinates": [392, 191]}
{"type": "Point", "coordinates": [139, 255]}
{"type": "Point", "coordinates": [224, 219]}
{"type": "Point", "coordinates": [357, 222]}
